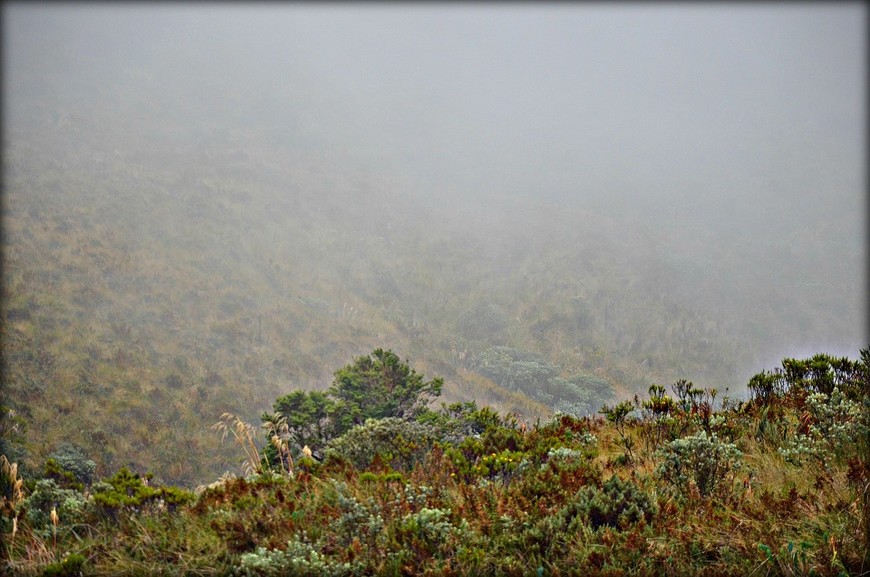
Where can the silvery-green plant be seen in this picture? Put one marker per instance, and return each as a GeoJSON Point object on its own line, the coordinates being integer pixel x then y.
{"type": "Point", "coordinates": [300, 558]}
{"type": "Point", "coordinates": [834, 428]}
{"type": "Point", "coordinates": [69, 505]}
{"type": "Point", "coordinates": [430, 525]}
{"type": "Point", "coordinates": [701, 460]}
{"type": "Point", "coordinates": [398, 442]}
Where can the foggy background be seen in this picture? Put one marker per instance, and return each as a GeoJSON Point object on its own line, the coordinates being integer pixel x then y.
{"type": "Point", "coordinates": [250, 195]}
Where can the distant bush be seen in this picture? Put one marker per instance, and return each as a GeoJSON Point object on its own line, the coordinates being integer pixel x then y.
{"type": "Point", "coordinates": [485, 321]}
{"type": "Point", "coordinates": [539, 379]}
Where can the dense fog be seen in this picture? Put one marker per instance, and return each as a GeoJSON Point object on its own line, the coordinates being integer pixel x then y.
{"type": "Point", "coordinates": [246, 196]}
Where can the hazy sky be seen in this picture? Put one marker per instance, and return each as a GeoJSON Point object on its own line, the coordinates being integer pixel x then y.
{"type": "Point", "coordinates": [565, 99]}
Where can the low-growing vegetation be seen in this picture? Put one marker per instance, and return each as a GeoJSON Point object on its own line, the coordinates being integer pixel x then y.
{"type": "Point", "coordinates": [343, 483]}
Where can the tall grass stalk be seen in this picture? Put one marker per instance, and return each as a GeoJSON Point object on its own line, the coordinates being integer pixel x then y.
{"type": "Point", "coordinates": [243, 433]}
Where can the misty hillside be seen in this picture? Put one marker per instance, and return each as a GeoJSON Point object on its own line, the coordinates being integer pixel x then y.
{"type": "Point", "coordinates": [192, 227]}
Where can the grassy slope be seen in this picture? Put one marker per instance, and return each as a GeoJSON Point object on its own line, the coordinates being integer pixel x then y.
{"type": "Point", "coordinates": [155, 278]}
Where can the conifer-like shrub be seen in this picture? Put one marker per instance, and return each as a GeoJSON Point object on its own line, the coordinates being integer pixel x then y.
{"type": "Point", "coordinates": [129, 491]}
{"type": "Point", "coordinates": [73, 459]}
{"type": "Point", "coordinates": [616, 503]}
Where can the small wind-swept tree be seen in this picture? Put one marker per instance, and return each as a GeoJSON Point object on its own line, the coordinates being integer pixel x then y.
{"type": "Point", "coordinates": [378, 386]}
{"type": "Point", "coordinates": [375, 386]}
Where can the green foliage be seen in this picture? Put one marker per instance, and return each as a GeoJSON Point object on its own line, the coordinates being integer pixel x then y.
{"type": "Point", "coordinates": [376, 386]}
{"type": "Point", "coordinates": [616, 503]}
{"type": "Point", "coordinates": [380, 385]}
{"type": "Point", "coordinates": [396, 442]}
{"type": "Point", "coordinates": [620, 416]}
{"type": "Point", "coordinates": [427, 533]}
{"type": "Point", "coordinates": [71, 566]}
{"type": "Point", "coordinates": [70, 505]}
{"type": "Point", "coordinates": [456, 421]}
{"type": "Point", "coordinates": [61, 476]}
{"type": "Point", "coordinates": [299, 558]}
{"type": "Point", "coordinates": [128, 491]}
{"type": "Point", "coordinates": [700, 461]}
{"type": "Point", "coordinates": [308, 415]}
{"type": "Point", "coordinates": [70, 463]}
{"type": "Point", "coordinates": [819, 374]}
{"type": "Point", "coordinates": [468, 491]}
{"type": "Point", "coordinates": [767, 386]}
{"type": "Point", "coordinates": [833, 428]}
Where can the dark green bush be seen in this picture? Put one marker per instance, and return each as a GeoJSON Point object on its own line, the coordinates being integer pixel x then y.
{"type": "Point", "coordinates": [129, 491]}
{"type": "Point", "coordinates": [616, 504]}
{"type": "Point", "coordinates": [69, 504]}
{"type": "Point", "coordinates": [71, 566]}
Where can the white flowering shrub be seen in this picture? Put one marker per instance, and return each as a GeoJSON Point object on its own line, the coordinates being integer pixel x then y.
{"type": "Point", "coordinates": [300, 558]}
{"type": "Point", "coordinates": [432, 526]}
{"type": "Point", "coordinates": [357, 520]}
{"type": "Point", "coordinates": [564, 454]}
{"type": "Point", "coordinates": [700, 460]}
{"type": "Point", "coordinates": [427, 533]}
{"type": "Point", "coordinates": [833, 427]}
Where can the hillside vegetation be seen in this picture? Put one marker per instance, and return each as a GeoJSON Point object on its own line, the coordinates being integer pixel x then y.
{"type": "Point", "coordinates": [149, 287]}
{"type": "Point", "coordinates": [682, 481]}
{"type": "Point", "coordinates": [191, 228]}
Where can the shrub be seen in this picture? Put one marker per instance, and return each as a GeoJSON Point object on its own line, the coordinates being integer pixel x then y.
{"type": "Point", "coordinates": [399, 443]}
{"type": "Point", "coordinates": [71, 566]}
{"type": "Point", "coordinates": [616, 504]}
{"type": "Point", "coordinates": [832, 428]}
{"type": "Point", "coordinates": [620, 416]}
{"type": "Point", "coordinates": [357, 521]}
{"type": "Point", "coordinates": [46, 496]}
{"type": "Point", "coordinates": [300, 558]}
{"type": "Point", "coordinates": [458, 421]}
{"type": "Point", "coordinates": [536, 377]}
{"type": "Point", "coordinates": [126, 490]}
{"type": "Point", "coordinates": [73, 459]}
{"type": "Point", "coordinates": [427, 532]}
{"type": "Point", "coordinates": [700, 460]}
